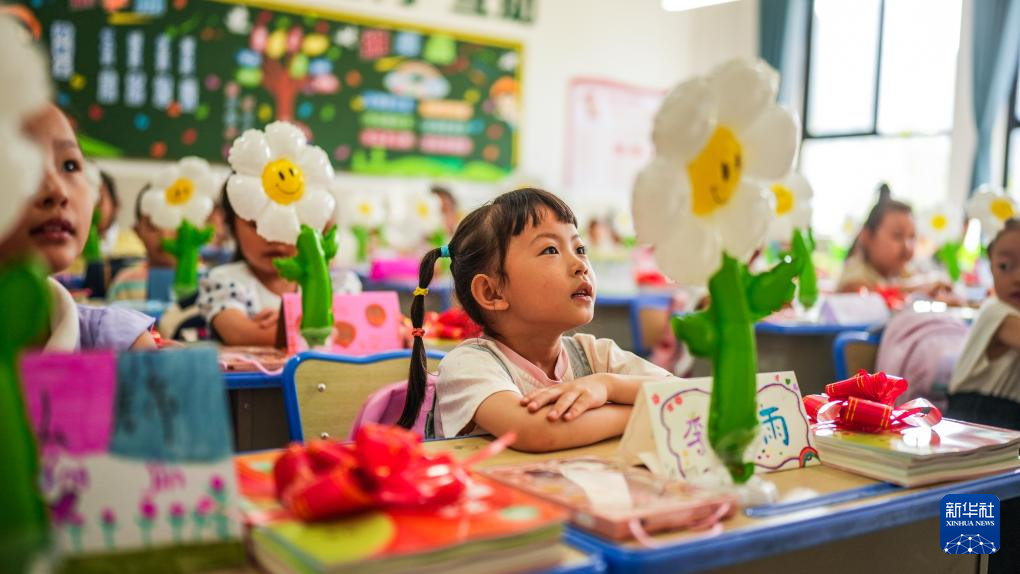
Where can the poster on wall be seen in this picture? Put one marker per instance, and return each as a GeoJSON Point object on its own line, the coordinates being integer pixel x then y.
{"type": "Point", "coordinates": [171, 78]}
{"type": "Point", "coordinates": [609, 133]}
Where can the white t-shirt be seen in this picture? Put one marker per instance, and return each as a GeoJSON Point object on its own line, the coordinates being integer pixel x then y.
{"type": "Point", "coordinates": [479, 368]}
{"type": "Point", "coordinates": [975, 372]}
{"type": "Point", "coordinates": [234, 286]}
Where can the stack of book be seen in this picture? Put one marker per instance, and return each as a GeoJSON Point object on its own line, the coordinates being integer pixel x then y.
{"type": "Point", "coordinates": [494, 528]}
{"type": "Point", "coordinates": [950, 450]}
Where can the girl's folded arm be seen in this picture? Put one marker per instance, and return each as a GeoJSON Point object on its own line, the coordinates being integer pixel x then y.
{"type": "Point", "coordinates": [1009, 332]}
{"type": "Point", "coordinates": [502, 412]}
{"type": "Point", "coordinates": [236, 328]}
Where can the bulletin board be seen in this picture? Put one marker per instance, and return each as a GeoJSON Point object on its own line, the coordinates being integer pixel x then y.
{"type": "Point", "coordinates": [609, 136]}
{"type": "Point", "coordinates": [171, 78]}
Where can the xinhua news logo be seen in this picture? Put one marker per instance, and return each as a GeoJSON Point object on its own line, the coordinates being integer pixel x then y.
{"type": "Point", "coordinates": [970, 524]}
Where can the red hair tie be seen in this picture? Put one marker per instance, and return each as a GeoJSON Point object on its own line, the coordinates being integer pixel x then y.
{"type": "Point", "coordinates": [418, 332]}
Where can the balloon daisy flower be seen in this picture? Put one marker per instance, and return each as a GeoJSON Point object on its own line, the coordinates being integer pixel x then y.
{"type": "Point", "coordinates": [363, 213]}
{"type": "Point", "coordinates": [993, 208]}
{"type": "Point", "coordinates": [792, 223]}
{"type": "Point", "coordinates": [704, 203]}
{"type": "Point", "coordinates": [24, 293]}
{"type": "Point", "coordinates": [180, 199]}
{"type": "Point", "coordinates": [943, 227]}
{"type": "Point", "coordinates": [282, 184]}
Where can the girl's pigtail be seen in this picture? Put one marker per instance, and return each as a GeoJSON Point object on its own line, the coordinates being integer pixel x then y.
{"type": "Point", "coordinates": [417, 378]}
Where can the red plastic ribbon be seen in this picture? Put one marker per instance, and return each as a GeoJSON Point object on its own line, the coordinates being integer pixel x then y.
{"type": "Point", "coordinates": [384, 467]}
{"type": "Point", "coordinates": [867, 402]}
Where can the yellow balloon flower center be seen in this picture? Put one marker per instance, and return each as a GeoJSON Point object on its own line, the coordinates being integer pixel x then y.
{"type": "Point", "coordinates": [715, 173]}
{"type": "Point", "coordinates": [939, 222]}
{"type": "Point", "coordinates": [365, 208]}
{"type": "Point", "coordinates": [423, 209]}
{"type": "Point", "coordinates": [283, 181]}
{"type": "Point", "coordinates": [179, 191]}
{"type": "Point", "coordinates": [784, 199]}
{"type": "Point", "coordinates": [1001, 209]}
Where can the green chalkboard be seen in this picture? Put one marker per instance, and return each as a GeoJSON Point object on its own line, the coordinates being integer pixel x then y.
{"type": "Point", "coordinates": [172, 78]}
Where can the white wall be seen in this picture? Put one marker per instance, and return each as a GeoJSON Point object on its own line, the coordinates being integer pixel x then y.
{"type": "Point", "coordinates": [631, 41]}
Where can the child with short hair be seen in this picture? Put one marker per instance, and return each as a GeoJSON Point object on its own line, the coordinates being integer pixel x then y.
{"type": "Point", "coordinates": [985, 387]}
{"type": "Point", "coordinates": [55, 225]}
{"type": "Point", "coordinates": [131, 283]}
{"type": "Point", "coordinates": [521, 272]}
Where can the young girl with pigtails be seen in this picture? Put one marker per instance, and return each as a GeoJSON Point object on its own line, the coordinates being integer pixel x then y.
{"type": "Point", "coordinates": [521, 272]}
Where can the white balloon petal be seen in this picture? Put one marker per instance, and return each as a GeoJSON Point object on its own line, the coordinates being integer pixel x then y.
{"type": "Point", "coordinates": [314, 163]}
{"type": "Point", "coordinates": [197, 210]}
{"type": "Point", "coordinates": [249, 153]}
{"type": "Point", "coordinates": [770, 144]}
{"type": "Point", "coordinates": [193, 168]}
{"type": "Point", "coordinates": [23, 72]}
{"type": "Point", "coordinates": [992, 207]}
{"type": "Point", "coordinates": [278, 223]}
{"type": "Point", "coordinates": [166, 218]}
{"type": "Point", "coordinates": [152, 201]}
{"type": "Point", "coordinates": [246, 196]}
{"type": "Point", "coordinates": [315, 208]}
{"type": "Point", "coordinates": [660, 192]}
{"type": "Point", "coordinates": [691, 253]}
{"type": "Point", "coordinates": [285, 140]}
{"type": "Point", "coordinates": [743, 89]}
{"type": "Point", "coordinates": [165, 177]}
{"type": "Point", "coordinates": [22, 162]}
{"type": "Point", "coordinates": [745, 221]}
{"type": "Point", "coordinates": [685, 121]}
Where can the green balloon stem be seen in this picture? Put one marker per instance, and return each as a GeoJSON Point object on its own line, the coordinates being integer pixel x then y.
{"type": "Point", "coordinates": [803, 247]}
{"type": "Point", "coordinates": [724, 332]}
{"type": "Point", "coordinates": [310, 269]}
{"type": "Point", "coordinates": [185, 248]}
{"type": "Point", "coordinates": [949, 255]}
{"type": "Point", "coordinates": [361, 234]}
{"type": "Point", "coordinates": [24, 296]}
{"type": "Point", "coordinates": [93, 244]}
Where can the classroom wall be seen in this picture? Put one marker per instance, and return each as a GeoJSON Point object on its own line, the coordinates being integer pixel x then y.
{"type": "Point", "coordinates": [631, 41]}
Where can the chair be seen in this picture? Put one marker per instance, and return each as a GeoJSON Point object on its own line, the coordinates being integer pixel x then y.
{"type": "Point", "coordinates": [323, 393]}
{"type": "Point", "coordinates": [853, 351]}
{"type": "Point", "coordinates": [650, 314]}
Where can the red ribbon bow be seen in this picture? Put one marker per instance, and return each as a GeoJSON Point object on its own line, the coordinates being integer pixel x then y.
{"type": "Point", "coordinates": [384, 467]}
{"type": "Point", "coordinates": [867, 402]}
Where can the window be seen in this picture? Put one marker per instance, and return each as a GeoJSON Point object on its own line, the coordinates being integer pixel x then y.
{"type": "Point", "coordinates": [1012, 171]}
{"type": "Point", "coordinates": [878, 103]}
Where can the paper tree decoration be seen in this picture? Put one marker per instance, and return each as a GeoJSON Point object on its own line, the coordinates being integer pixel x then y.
{"type": "Point", "coordinates": [287, 61]}
{"type": "Point", "coordinates": [281, 183]}
{"type": "Point", "coordinates": [993, 208]}
{"type": "Point", "coordinates": [24, 298]}
{"type": "Point", "coordinates": [943, 227]}
{"type": "Point", "coordinates": [792, 224]}
{"type": "Point", "coordinates": [181, 200]}
{"type": "Point", "coordinates": [704, 204]}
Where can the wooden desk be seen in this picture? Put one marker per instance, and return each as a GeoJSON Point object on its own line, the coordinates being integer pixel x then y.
{"type": "Point", "coordinates": [893, 530]}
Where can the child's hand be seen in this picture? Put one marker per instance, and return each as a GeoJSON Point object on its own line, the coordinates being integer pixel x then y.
{"type": "Point", "coordinates": [569, 399]}
{"type": "Point", "coordinates": [266, 318]}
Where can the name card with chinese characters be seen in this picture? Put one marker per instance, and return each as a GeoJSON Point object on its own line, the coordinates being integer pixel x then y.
{"type": "Point", "coordinates": [363, 323]}
{"type": "Point", "coordinates": [668, 429]}
{"type": "Point", "coordinates": [135, 451]}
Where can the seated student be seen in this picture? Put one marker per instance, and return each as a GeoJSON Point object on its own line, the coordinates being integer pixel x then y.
{"type": "Point", "coordinates": [521, 272]}
{"type": "Point", "coordinates": [450, 208]}
{"type": "Point", "coordinates": [109, 205]}
{"type": "Point", "coordinates": [985, 387]}
{"type": "Point", "coordinates": [241, 300]}
{"type": "Point", "coordinates": [131, 283]}
{"type": "Point", "coordinates": [55, 225]}
{"type": "Point", "coordinates": [881, 256]}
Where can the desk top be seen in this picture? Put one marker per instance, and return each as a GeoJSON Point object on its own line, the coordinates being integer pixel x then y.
{"type": "Point", "coordinates": [818, 504]}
